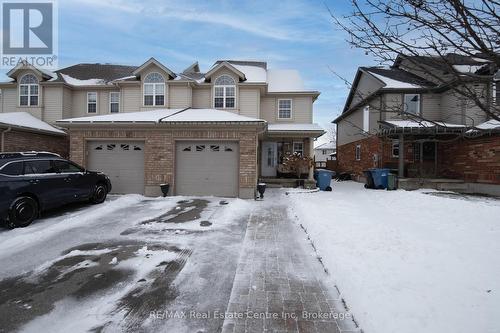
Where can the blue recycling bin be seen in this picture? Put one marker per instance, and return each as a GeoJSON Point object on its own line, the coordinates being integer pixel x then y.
{"type": "Point", "coordinates": [324, 178]}
{"type": "Point", "coordinates": [380, 177]}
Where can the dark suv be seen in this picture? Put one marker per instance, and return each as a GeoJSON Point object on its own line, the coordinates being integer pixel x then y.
{"type": "Point", "coordinates": [33, 182]}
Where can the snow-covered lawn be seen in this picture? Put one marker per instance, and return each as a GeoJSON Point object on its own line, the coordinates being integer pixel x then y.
{"type": "Point", "coordinates": [408, 261]}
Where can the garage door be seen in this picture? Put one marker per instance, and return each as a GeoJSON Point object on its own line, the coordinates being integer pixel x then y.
{"type": "Point", "coordinates": [207, 168]}
{"type": "Point", "coordinates": [121, 161]}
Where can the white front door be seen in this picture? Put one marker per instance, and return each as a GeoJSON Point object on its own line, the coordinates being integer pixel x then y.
{"type": "Point", "coordinates": [269, 159]}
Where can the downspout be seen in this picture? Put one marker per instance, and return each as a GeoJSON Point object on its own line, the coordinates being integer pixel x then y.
{"type": "Point", "coordinates": [2, 148]}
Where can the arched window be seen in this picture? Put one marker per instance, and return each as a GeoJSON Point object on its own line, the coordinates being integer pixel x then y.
{"type": "Point", "coordinates": [28, 90]}
{"type": "Point", "coordinates": [154, 89]}
{"type": "Point", "coordinates": [224, 92]}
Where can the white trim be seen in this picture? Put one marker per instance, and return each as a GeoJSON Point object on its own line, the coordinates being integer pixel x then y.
{"type": "Point", "coordinates": [96, 102]}
{"type": "Point", "coordinates": [419, 111]}
{"type": "Point", "coordinates": [291, 107]}
{"type": "Point", "coordinates": [29, 95]}
{"type": "Point", "coordinates": [154, 84]}
{"type": "Point", "coordinates": [293, 147]}
{"type": "Point", "coordinates": [366, 119]}
{"type": "Point", "coordinates": [357, 153]}
{"type": "Point", "coordinates": [119, 100]}
{"type": "Point", "coordinates": [224, 93]}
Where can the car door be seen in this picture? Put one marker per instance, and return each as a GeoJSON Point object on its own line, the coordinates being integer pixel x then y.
{"type": "Point", "coordinates": [46, 183]}
{"type": "Point", "coordinates": [75, 179]}
{"type": "Point", "coordinates": [11, 184]}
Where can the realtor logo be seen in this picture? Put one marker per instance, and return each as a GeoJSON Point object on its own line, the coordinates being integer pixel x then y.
{"type": "Point", "coordinates": [29, 33]}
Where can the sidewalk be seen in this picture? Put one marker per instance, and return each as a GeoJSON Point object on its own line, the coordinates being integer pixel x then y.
{"type": "Point", "coordinates": [278, 284]}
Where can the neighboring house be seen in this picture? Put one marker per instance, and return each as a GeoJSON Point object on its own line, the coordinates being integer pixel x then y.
{"type": "Point", "coordinates": [437, 137]}
{"type": "Point", "coordinates": [324, 152]}
{"type": "Point", "coordinates": [212, 133]}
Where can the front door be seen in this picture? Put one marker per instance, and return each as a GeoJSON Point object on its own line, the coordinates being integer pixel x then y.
{"type": "Point", "coordinates": [269, 160]}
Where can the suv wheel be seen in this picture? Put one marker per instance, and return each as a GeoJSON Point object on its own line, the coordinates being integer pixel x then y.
{"type": "Point", "coordinates": [99, 194]}
{"type": "Point", "coordinates": [23, 211]}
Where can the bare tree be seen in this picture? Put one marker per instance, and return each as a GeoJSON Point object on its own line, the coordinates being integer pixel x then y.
{"type": "Point", "coordinates": [429, 36]}
{"type": "Point", "coordinates": [332, 133]}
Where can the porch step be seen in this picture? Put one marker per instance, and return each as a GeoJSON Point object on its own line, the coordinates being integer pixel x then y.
{"type": "Point", "coordinates": [279, 182]}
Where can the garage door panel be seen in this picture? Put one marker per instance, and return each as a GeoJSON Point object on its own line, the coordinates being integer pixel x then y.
{"type": "Point", "coordinates": [207, 168]}
{"type": "Point", "coordinates": [123, 162]}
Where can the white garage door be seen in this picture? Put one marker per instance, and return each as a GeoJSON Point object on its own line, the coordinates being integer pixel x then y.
{"type": "Point", "coordinates": [207, 168]}
{"type": "Point", "coordinates": [121, 161]}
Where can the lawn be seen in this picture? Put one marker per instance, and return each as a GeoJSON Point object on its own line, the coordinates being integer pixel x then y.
{"type": "Point", "coordinates": [408, 261]}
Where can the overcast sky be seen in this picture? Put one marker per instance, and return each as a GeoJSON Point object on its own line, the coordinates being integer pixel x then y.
{"type": "Point", "coordinates": [296, 34]}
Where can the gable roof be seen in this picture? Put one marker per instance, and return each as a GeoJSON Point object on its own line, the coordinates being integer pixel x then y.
{"type": "Point", "coordinates": [153, 61]}
{"type": "Point", "coordinates": [219, 65]}
{"type": "Point", "coordinates": [395, 78]}
{"type": "Point", "coordinates": [25, 121]}
{"type": "Point", "coordinates": [194, 68]}
{"type": "Point", "coordinates": [103, 73]}
{"type": "Point", "coordinates": [24, 65]}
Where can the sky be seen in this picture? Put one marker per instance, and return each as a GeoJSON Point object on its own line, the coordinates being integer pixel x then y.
{"type": "Point", "coordinates": [288, 34]}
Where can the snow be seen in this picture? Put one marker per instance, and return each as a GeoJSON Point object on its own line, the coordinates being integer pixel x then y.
{"type": "Point", "coordinates": [284, 80]}
{"type": "Point", "coordinates": [468, 69]}
{"type": "Point", "coordinates": [294, 127]}
{"type": "Point", "coordinates": [407, 261]}
{"type": "Point", "coordinates": [165, 115]}
{"type": "Point", "coordinates": [423, 123]}
{"type": "Point", "coordinates": [490, 124]}
{"type": "Point", "coordinates": [327, 145]}
{"type": "Point", "coordinates": [126, 78]}
{"type": "Point", "coordinates": [77, 82]}
{"type": "Point", "coordinates": [26, 120]}
{"type": "Point", "coordinates": [395, 84]}
{"type": "Point", "coordinates": [252, 73]}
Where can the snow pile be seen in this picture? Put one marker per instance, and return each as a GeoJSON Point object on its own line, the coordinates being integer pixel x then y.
{"type": "Point", "coordinates": [26, 120]}
{"type": "Point", "coordinates": [408, 261]}
{"type": "Point", "coordinates": [284, 80]}
{"type": "Point", "coordinates": [252, 73]}
{"type": "Point", "coordinates": [77, 82]}
{"type": "Point", "coordinates": [129, 117]}
{"type": "Point", "coordinates": [421, 124]}
{"type": "Point", "coordinates": [467, 69]}
{"type": "Point", "coordinates": [208, 115]}
{"type": "Point", "coordinates": [490, 124]}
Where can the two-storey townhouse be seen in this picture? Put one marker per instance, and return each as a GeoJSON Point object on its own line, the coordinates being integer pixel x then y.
{"type": "Point", "coordinates": [212, 133]}
{"type": "Point", "coordinates": [401, 118]}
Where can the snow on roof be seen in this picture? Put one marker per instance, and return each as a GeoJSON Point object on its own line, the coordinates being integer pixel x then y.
{"type": "Point", "coordinates": [467, 69]}
{"type": "Point", "coordinates": [26, 120]}
{"type": "Point", "coordinates": [327, 145]}
{"type": "Point", "coordinates": [165, 115]}
{"type": "Point", "coordinates": [294, 127]}
{"type": "Point", "coordinates": [153, 116]}
{"type": "Point", "coordinates": [395, 84]}
{"type": "Point", "coordinates": [76, 82]}
{"type": "Point", "coordinates": [490, 124]}
{"type": "Point", "coordinates": [420, 124]}
{"type": "Point", "coordinates": [252, 73]}
{"type": "Point", "coordinates": [208, 115]}
{"type": "Point", "coordinates": [284, 80]}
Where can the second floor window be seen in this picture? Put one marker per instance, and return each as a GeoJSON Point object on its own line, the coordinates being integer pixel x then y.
{"type": "Point", "coordinates": [284, 108]}
{"type": "Point", "coordinates": [412, 103]}
{"type": "Point", "coordinates": [224, 92]}
{"type": "Point", "coordinates": [28, 90]}
{"type": "Point", "coordinates": [91, 102]}
{"type": "Point", "coordinates": [154, 90]}
{"type": "Point", "coordinates": [114, 102]}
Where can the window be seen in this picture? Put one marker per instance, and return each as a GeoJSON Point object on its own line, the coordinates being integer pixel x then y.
{"type": "Point", "coordinates": [416, 152]}
{"type": "Point", "coordinates": [412, 103]}
{"type": "Point", "coordinates": [395, 148]}
{"type": "Point", "coordinates": [358, 152]}
{"type": "Point", "coordinates": [13, 169]}
{"type": "Point", "coordinates": [224, 92]}
{"type": "Point", "coordinates": [114, 102]}
{"type": "Point", "coordinates": [154, 90]}
{"type": "Point", "coordinates": [91, 102]}
{"type": "Point", "coordinates": [323, 152]}
{"type": "Point", "coordinates": [298, 148]}
{"type": "Point", "coordinates": [366, 119]}
{"type": "Point", "coordinates": [28, 90]}
{"type": "Point", "coordinates": [66, 167]}
{"type": "Point", "coordinates": [38, 167]}
{"type": "Point", "coordinates": [496, 92]}
{"type": "Point", "coordinates": [284, 108]}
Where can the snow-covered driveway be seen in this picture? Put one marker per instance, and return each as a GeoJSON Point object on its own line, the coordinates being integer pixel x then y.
{"type": "Point", "coordinates": [408, 262]}
{"type": "Point", "coordinates": [109, 267]}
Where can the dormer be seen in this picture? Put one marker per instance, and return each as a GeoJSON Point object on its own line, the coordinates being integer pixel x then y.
{"type": "Point", "coordinates": [154, 77]}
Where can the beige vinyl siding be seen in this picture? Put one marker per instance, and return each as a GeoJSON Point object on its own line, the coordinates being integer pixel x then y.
{"type": "Point", "coordinates": [9, 100]}
{"type": "Point", "coordinates": [430, 106]}
{"type": "Point", "coordinates": [452, 108]}
{"type": "Point", "coordinates": [131, 97]}
{"type": "Point", "coordinates": [53, 104]}
{"type": "Point", "coordinates": [179, 96]}
{"type": "Point", "coordinates": [250, 102]}
{"type": "Point", "coordinates": [301, 109]}
{"type": "Point", "coordinates": [367, 85]}
{"type": "Point", "coordinates": [350, 128]}
{"type": "Point", "coordinates": [225, 71]}
{"type": "Point", "coordinates": [67, 103]}
{"type": "Point", "coordinates": [202, 98]}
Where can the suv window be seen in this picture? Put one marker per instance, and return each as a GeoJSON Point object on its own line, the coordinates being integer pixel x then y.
{"type": "Point", "coordinates": [38, 167]}
{"type": "Point", "coordinates": [13, 169]}
{"type": "Point", "coordinates": [66, 167]}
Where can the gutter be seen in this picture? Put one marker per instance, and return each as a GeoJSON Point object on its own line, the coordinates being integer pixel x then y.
{"type": "Point", "coordinates": [2, 148]}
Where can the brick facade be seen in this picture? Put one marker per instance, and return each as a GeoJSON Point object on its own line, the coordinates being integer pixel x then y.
{"type": "Point", "coordinates": [159, 151]}
{"type": "Point", "coordinates": [472, 160]}
{"type": "Point", "coordinates": [27, 141]}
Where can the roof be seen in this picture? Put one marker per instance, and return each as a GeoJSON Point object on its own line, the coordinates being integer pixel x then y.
{"type": "Point", "coordinates": [294, 127]}
{"type": "Point", "coordinates": [153, 61]}
{"type": "Point", "coordinates": [491, 124]}
{"type": "Point", "coordinates": [284, 80]}
{"type": "Point", "coordinates": [25, 121]}
{"type": "Point", "coordinates": [327, 145]}
{"type": "Point", "coordinates": [83, 74]}
{"type": "Point", "coordinates": [420, 124]}
{"type": "Point", "coordinates": [395, 78]}
{"type": "Point", "coordinates": [188, 115]}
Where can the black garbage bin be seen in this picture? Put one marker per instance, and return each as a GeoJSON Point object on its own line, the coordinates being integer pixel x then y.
{"type": "Point", "coordinates": [369, 179]}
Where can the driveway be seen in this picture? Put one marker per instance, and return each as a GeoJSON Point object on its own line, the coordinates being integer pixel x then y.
{"type": "Point", "coordinates": [174, 264]}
